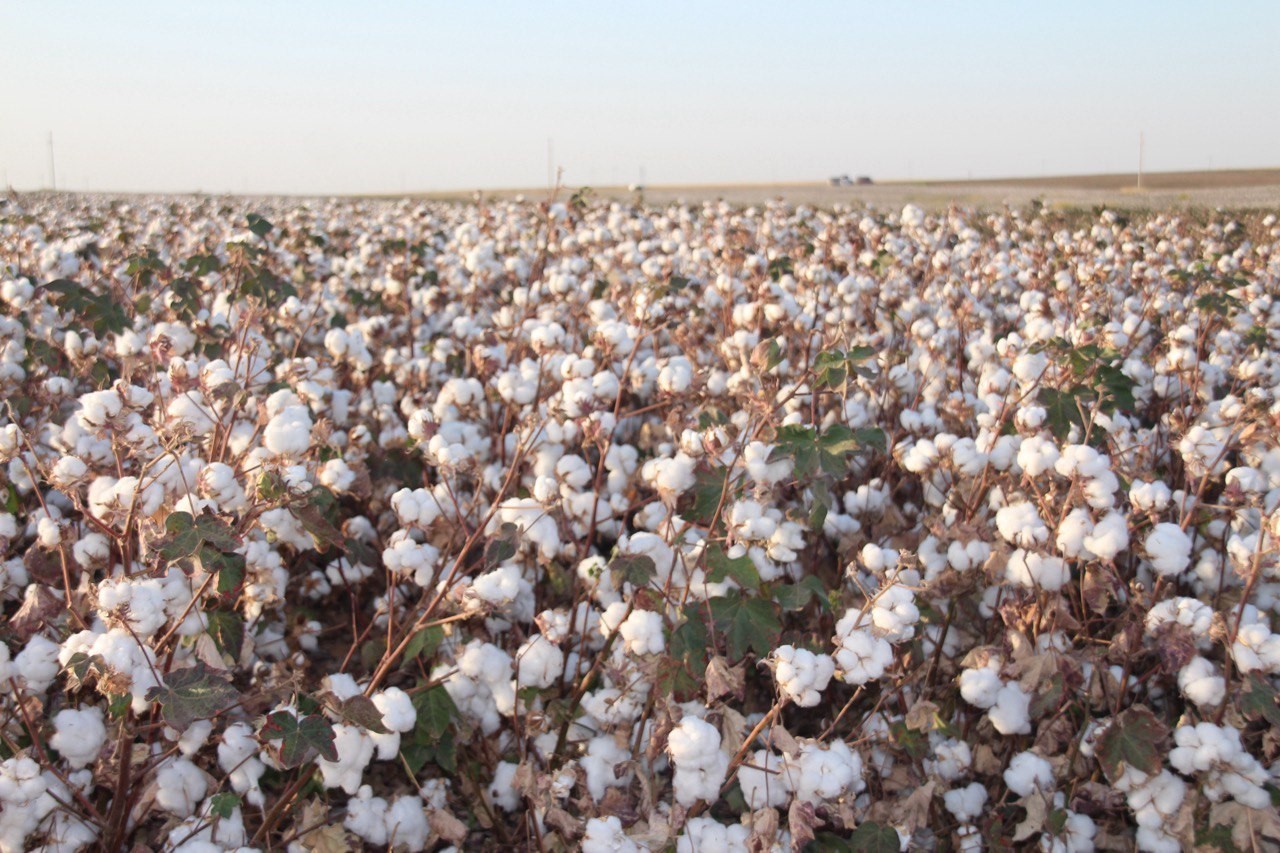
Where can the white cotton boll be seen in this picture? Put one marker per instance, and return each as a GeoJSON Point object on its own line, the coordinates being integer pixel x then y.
{"type": "Point", "coordinates": [965, 803]}
{"type": "Point", "coordinates": [600, 765]}
{"type": "Point", "coordinates": [920, 457]}
{"type": "Point", "coordinates": [237, 757]}
{"type": "Point", "coordinates": [605, 835]}
{"type": "Point", "coordinates": [801, 675]}
{"type": "Point", "coordinates": [704, 833]}
{"type": "Point", "coordinates": [48, 533]}
{"type": "Point", "coordinates": [502, 791]}
{"type": "Point", "coordinates": [79, 735]}
{"type": "Point", "coordinates": [68, 471]}
{"type": "Point", "coordinates": [1035, 570]}
{"type": "Point", "coordinates": [180, 786]}
{"type": "Point", "coordinates": [760, 469]}
{"type": "Point", "coordinates": [861, 657]}
{"type": "Point", "coordinates": [1150, 497]}
{"type": "Point", "coordinates": [979, 687]}
{"type": "Point", "coordinates": [894, 613]}
{"type": "Point", "coordinates": [337, 475]}
{"type": "Point", "coordinates": [1191, 612]}
{"type": "Point", "coordinates": [1168, 548]}
{"type": "Point", "coordinates": [289, 432]}
{"type": "Point", "coordinates": [498, 587]}
{"type": "Point", "coordinates": [1072, 531]}
{"type": "Point", "coordinates": [1256, 649]}
{"type": "Point", "coordinates": [1020, 524]}
{"type": "Point", "coordinates": [1028, 772]}
{"type": "Point", "coordinates": [762, 781]}
{"type": "Point", "coordinates": [407, 825]}
{"type": "Point", "coordinates": [36, 666]}
{"type": "Point", "coordinates": [193, 738]}
{"type": "Point", "coordinates": [538, 663]}
{"type": "Point", "coordinates": [1109, 536]}
{"type": "Point", "coordinates": [366, 816]}
{"type": "Point", "coordinates": [820, 773]}
{"type": "Point", "coordinates": [355, 751]}
{"type": "Point", "coordinates": [398, 713]}
{"type": "Point", "coordinates": [1037, 454]}
{"type": "Point", "coordinates": [1200, 683]}
{"type": "Point", "coordinates": [1010, 715]}
{"type": "Point", "coordinates": [641, 632]}
{"type": "Point", "coordinates": [952, 759]}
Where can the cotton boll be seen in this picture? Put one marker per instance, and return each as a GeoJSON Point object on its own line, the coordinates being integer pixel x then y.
{"type": "Point", "coordinates": [1010, 714]}
{"type": "Point", "coordinates": [965, 803]}
{"type": "Point", "coordinates": [79, 735]}
{"type": "Point", "coordinates": [502, 791]}
{"type": "Point", "coordinates": [1037, 454]}
{"type": "Point", "coordinates": [180, 785]}
{"type": "Point", "coordinates": [538, 663]}
{"type": "Point", "coordinates": [1168, 548]}
{"type": "Point", "coordinates": [1200, 683]}
{"type": "Point", "coordinates": [605, 835]}
{"type": "Point", "coordinates": [407, 824]}
{"type": "Point", "coordinates": [979, 687]}
{"type": "Point", "coordinates": [366, 816]}
{"type": "Point", "coordinates": [600, 766]}
{"type": "Point", "coordinates": [398, 713]}
{"type": "Point", "coordinates": [355, 751]}
{"type": "Point", "coordinates": [36, 666]}
{"type": "Point", "coordinates": [1109, 537]}
{"type": "Point", "coordinates": [694, 747]}
{"type": "Point", "coordinates": [289, 432]}
{"type": "Point", "coordinates": [861, 657]}
{"type": "Point", "coordinates": [1020, 524]}
{"type": "Point", "coordinates": [801, 675]}
{"type": "Point", "coordinates": [1034, 570]}
{"type": "Point", "coordinates": [705, 833]}
{"type": "Point", "coordinates": [820, 773]}
{"type": "Point", "coordinates": [237, 757]}
{"type": "Point", "coordinates": [762, 781]}
{"type": "Point", "coordinates": [1028, 772]}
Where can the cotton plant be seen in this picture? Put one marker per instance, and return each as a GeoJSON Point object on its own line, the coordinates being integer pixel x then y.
{"type": "Point", "coordinates": [378, 478]}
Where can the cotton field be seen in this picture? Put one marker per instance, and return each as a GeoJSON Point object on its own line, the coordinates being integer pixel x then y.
{"type": "Point", "coordinates": [570, 524]}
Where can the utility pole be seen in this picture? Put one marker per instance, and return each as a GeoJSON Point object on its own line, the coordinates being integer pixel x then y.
{"type": "Point", "coordinates": [1141, 146]}
{"type": "Point", "coordinates": [53, 175]}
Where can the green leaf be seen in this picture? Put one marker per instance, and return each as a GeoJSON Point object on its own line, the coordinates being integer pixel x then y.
{"type": "Point", "coordinates": [12, 500]}
{"type": "Point", "coordinates": [1134, 738]}
{"type": "Point", "coordinates": [635, 569]}
{"type": "Point", "coordinates": [319, 516]}
{"type": "Point", "coordinates": [1218, 837]}
{"type": "Point", "coordinates": [435, 712]}
{"type": "Point", "coordinates": [227, 629]}
{"type": "Point", "coordinates": [780, 266]}
{"type": "Point", "coordinates": [224, 804]}
{"type": "Point", "coordinates": [747, 624]}
{"type": "Point", "coordinates": [424, 643]}
{"type": "Point", "coordinates": [796, 596]}
{"type": "Point", "coordinates": [258, 225]}
{"type": "Point", "coordinates": [503, 545]}
{"type": "Point", "coordinates": [301, 740]}
{"type": "Point", "coordinates": [359, 710]}
{"type": "Point", "coordinates": [680, 671]}
{"type": "Point", "coordinates": [193, 693]}
{"type": "Point", "coordinates": [741, 569]}
{"type": "Point", "coordinates": [1062, 410]}
{"type": "Point", "coordinates": [1258, 701]}
{"type": "Point", "coordinates": [700, 503]}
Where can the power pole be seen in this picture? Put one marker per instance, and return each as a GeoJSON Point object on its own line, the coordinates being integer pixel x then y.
{"type": "Point", "coordinates": [1141, 146]}
{"type": "Point", "coordinates": [53, 175]}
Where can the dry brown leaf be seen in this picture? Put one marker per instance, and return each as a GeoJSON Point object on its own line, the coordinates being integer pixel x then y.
{"type": "Point", "coordinates": [922, 715]}
{"type": "Point", "coordinates": [733, 730]}
{"type": "Point", "coordinates": [764, 830]}
{"type": "Point", "coordinates": [724, 680]}
{"type": "Point", "coordinates": [1249, 827]}
{"type": "Point", "coordinates": [568, 825]}
{"type": "Point", "coordinates": [326, 836]}
{"type": "Point", "coordinates": [985, 761]}
{"type": "Point", "coordinates": [39, 605]}
{"type": "Point", "coordinates": [913, 812]}
{"type": "Point", "coordinates": [447, 826]}
{"type": "Point", "coordinates": [801, 821]}
{"type": "Point", "coordinates": [1038, 805]}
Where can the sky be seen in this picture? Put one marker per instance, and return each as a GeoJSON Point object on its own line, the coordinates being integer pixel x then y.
{"type": "Point", "coordinates": [386, 97]}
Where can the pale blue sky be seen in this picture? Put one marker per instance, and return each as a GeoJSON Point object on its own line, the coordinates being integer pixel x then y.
{"type": "Point", "coordinates": [389, 96]}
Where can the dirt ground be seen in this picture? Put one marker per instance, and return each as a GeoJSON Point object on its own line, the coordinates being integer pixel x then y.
{"type": "Point", "coordinates": [1251, 188]}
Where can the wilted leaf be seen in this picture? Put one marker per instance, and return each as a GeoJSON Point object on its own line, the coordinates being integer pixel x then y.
{"type": "Point", "coordinates": [301, 740]}
{"type": "Point", "coordinates": [502, 546]}
{"type": "Point", "coordinates": [1134, 738]}
{"type": "Point", "coordinates": [801, 820]}
{"type": "Point", "coordinates": [635, 569]}
{"type": "Point", "coordinates": [1037, 806]}
{"type": "Point", "coordinates": [723, 679]}
{"type": "Point", "coordinates": [193, 693]}
{"type": "Point", "coordinates": [359, 710]}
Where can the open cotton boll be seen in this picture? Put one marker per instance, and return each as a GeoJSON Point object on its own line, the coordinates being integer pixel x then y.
{"type": "Point", "coordinates": [979, 687]}
{"type": "Point", "coordinates": [237, 757]}
{"type": "Point", "coordinates": [861, 656]}
{"type": "Point", "coordinates": [1074, 528]}
{"type": "Point", "coordinates": [1037, 571]}
{"type": "Point", "coordinates": [355, 751]}
{"type": "Point", "coordinates": [801, 675]}
{"type": "Point", "coordinates": [398, 713]}
{"type": "Point", "coordinates": [538, 663]}
{"type": "Point", "coordinates": [366, 816]}
{"type": "Point", "coordinates": [705, 833]}
{"type": "Point", "coordinates": [1010, 714]}
{"type": "Point", "coordinates": [1109, 536]}
{"type": "Point", "coordinates": [289, 433]}
{"type": "Point", "coordinates": [605, 835]}
{"type": "Point", "coordinates": [825, 772]}
{"type": "Point", "coordinates": [79, 735]}
{"type": "Point", "coordinates": [763, 780]}
{"type": "Point", "coordinates": [762, 471]}
{"type": "Point", "coordinates": [180, 785]}
{"type": "Point", "coordinates": [1020, 524]}
{"type": "Point", "coordinates": [965, 803]}
{"type": "Point", "coordinates": [502, 790]}
{"type": "Point", "coordinates": [694, 747]}
{"type": "Point", "coordinates": [1256, 649]}
{"type": "Point", "coordinates": [1150, 497]}
{"type": "Point", "coordinates": [1168, 548]}
{"type": "Point", "coordinates": [1199, 682]}
{"type": "Point", "coordinates": [600, 765]}
{"type": "Point", "coordinates": [1037, 454]}
{"type": "Point", "coordinates": [894, 613]}
{"type": "Point", "coordinates": [1028, 772]}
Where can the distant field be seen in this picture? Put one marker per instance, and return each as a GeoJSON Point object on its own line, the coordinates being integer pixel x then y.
{"type": "Point", "coordinates": [1234, 188]}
